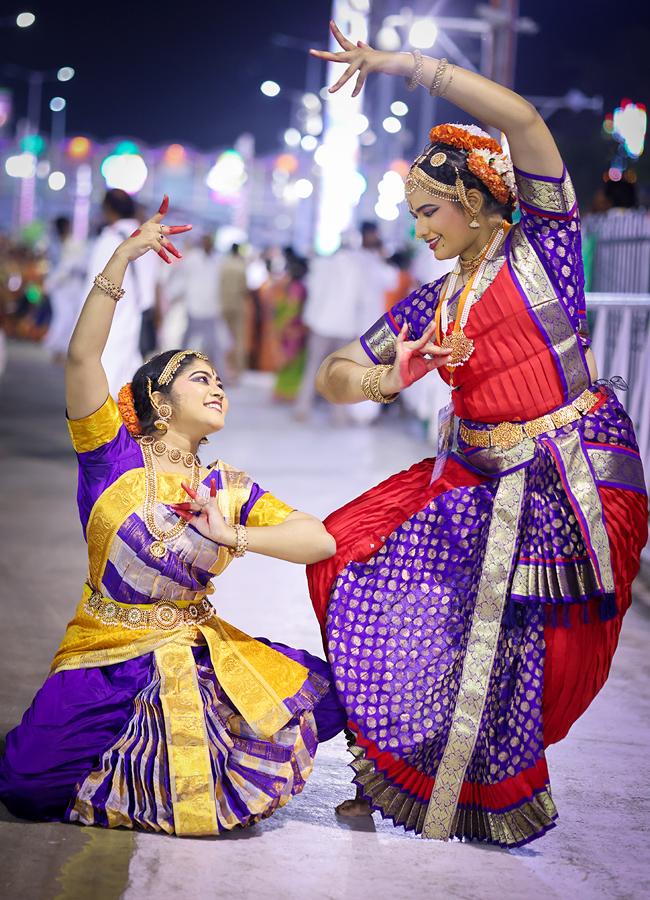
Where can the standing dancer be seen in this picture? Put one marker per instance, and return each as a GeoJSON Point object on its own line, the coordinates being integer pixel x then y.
{"type": "Point", "coordinates": [474, 605]}
{"type": "Point", "coordinates": [158, 714]}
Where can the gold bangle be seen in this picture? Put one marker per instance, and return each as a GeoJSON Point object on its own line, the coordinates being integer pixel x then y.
{"type": "Point", "coordinates": [242, 541]}
{"type": "Point", "coordinates": [418, 67]}
{"type": "Point", "coordinates": [116, 293]}
{"type": "Point", "coordinates": [437, 78]}
{"type": "Point", "coordinates": [370, 385]}
{"type": "Point", "coordinates": [442, 93]}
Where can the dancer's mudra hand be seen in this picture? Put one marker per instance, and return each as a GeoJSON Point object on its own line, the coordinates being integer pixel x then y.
{"type": "Point", "coordinates": [210, 521]}
{"type": "Point", "coordinates": [413, 360]}
{"type": "Point", "coordinates": [360, 58]}
{"type": "Point", "coordinates": [153, 235]}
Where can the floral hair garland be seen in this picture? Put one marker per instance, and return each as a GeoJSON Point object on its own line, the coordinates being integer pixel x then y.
{"type": "Point", "coordinates": [485, 159]}
{"type": "Point", "coordinates": [126, 408]}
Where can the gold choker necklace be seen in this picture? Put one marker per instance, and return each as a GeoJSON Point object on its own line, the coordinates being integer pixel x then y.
{"type": "Point", "coordinates": [159, 448]}
{"type": "Point", "coordinates": [474, 262]}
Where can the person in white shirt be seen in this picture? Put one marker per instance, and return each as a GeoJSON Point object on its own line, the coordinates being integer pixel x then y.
{"type": "Point", "coordinates": [122, 354]}
{"type": "Point", "coordinates": [201, 274]}
{"type": "Point", "coordinates": [345, 295]}
{"type": "Point", "coordinates": [64, 286]}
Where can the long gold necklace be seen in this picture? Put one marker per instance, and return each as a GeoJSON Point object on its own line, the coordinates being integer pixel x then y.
{"type": "Point", "coordinates": [158, 548]}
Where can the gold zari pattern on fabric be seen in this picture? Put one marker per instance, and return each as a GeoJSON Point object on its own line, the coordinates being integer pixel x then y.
{"type": "Point", "coordinates": [585, 490]}
{"type": "Point", "coordinates": [624, 470]}
{"type": "Point", "coordinates": [510, 828]}
{"type": "Point", "coordinates": [548, 196]}
{"type": "Point", "coordinates": [190, 769]}
{"type": "Point", "coordinates": [97, 429]}
{"type": "Point", "coordinates": [479, 657]}
{"type": "Point", "coordinates": [508, 434]}
{"type": "Point", "coordinates": [381, 341]}
{"type": "Point", "coordinates": [549, 312]}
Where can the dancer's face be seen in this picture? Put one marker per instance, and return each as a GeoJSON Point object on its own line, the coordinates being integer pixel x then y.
{"type": "Point", "coordinates": [444, 224]}
{"type": "Point", "coordinates": [198, 400]}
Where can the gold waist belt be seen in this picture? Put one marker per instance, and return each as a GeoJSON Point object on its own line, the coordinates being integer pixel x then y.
{"type": "Point", "coordinates": [508, 434]}
{"type": "Point", "coordinates": [164, 615]}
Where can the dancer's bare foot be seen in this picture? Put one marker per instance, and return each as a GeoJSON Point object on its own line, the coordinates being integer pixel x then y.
{"type": "Point", "coordinates": [353, 808]}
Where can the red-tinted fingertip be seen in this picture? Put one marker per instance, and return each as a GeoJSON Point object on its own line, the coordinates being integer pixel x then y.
{"type": "Point", "coordinates": [173, 250]}
{"type": "Point", "coordinates": [164, 206]}
{"type": "Point", "coordinates": [184, 515]}
{"type": "Point", "coordinates": [136, 232]}
{"type": "Point", "coordinates": [163, 255]}
{"type": "Point", "coordinates": [188, 490]}
{"type": "Point", "coordinates": [213, 487]}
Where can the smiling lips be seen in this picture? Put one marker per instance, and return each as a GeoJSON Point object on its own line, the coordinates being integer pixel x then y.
{"type": "Point", "coordinates": [214, 405]}
{"type": "Point", "coordinates": [432, 244]}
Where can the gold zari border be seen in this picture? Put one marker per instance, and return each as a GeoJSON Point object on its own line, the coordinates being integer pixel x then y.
{"type": "Point", "coordinates": [479, 656]}
{"type": "Point", "coordinates": [190, 769]}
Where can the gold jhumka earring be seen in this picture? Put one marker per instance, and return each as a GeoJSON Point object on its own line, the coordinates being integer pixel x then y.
{"type": "Point", "coordinates": [164, 411]}
{"type": "Point", "coordinates": [418, 178]}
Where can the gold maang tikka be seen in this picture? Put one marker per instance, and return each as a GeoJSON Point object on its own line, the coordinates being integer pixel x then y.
{"type": "Point", "coordinates": [418, 179]}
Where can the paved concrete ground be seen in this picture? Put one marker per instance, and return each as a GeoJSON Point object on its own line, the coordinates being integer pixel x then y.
{"type": "Point", "coordinates": [599, 773]}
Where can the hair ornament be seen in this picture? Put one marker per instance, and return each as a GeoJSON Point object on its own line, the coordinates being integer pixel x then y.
{"type": "Point", "coordinates": [485, 158]}
{"type": "Point", "coordinates": [438, 159]}
{"type": "Point", "coordinates": [127, 410]}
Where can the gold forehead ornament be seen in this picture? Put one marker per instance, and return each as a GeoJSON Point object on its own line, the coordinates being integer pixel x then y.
{"type": "Point", "coordinates": [172, 366]}
{"type": "Point", "coordinates": [418, 179]}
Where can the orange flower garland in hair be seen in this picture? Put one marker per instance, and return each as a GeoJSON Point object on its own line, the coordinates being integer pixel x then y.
{"type": "Point", "coordinates": [125, 406]}
{"type": "Point", "coordinates": [491, 179]}
{"type": "Point", "coordinates": [463, 139]}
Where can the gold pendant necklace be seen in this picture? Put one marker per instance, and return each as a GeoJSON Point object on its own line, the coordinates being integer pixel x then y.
{"type": "Point", "coordinates": [458, 342]}
{"type": "Point", "coordinates": [158, 548]}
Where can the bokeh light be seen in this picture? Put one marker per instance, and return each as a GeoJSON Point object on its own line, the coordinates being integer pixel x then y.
{"type": "Point", "coordinates": [423, 34]}
{"type": "Point", "coordinates": [270, 88]}
{"type": "Point", "coordinates": [359, 123]}
{"type": "Point", "coordinates": [127, 171]}
{"type": "Point", "coordinates": [175, 155]}
{"type": "Point", "coordinates": [22, 166]}
{"type": "Point", "coordinates": [56, 181]}
{"type": "Point", "coordinates": [399, 108]}
{"type": "Point", "coordinates": [388, 39]}
{"type": "Point", "coordinates": [309, 143]}
{"type": "Point", "coordinates": [292, 137]}
{"type": "Point", "coordinates": [79, 147]}
{"type": "Point", "coordinates": [24, 20]}
{"type": "Point", "coordinates": [286, 162]}
{"type": "Point", "coordinates": [226, 178]}
{"type": "Point", "coordinates": [57, 104]}
{"type": "Point", "coordinates": [392, 125]}
{"type": "Point", "coordinates": [32, 143]}
{"type": "Point", "coordinates": [303, 188]}
{"type": "Point", "coordinates": [65, 73]}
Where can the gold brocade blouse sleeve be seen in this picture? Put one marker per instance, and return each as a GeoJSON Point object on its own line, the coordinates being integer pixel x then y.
{"type": "Point", "coordinates": [268, 510]}
{"type": "Point", "coordinates": [97, 429]}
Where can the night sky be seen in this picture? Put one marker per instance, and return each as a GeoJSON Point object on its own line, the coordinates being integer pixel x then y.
{"type": "Point", "coordinates": [190, 72]}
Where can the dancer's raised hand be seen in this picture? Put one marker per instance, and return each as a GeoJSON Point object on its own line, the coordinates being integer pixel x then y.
{"type": "Point", "coordinates": [413, 360]}
{"type": "Point", "coordinates": [360, 57]}
{"type": "Point", "coordinates": [153, 235]}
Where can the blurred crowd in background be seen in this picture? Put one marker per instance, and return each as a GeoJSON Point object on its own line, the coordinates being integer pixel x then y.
{"type": "Point", "coordinates": [266, 309]}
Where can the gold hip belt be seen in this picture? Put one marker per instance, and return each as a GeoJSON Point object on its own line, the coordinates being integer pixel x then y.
{"type": "Point", "coordinates": [163, 615]}
{"type": "Point", "coordinates": [508, 434]}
